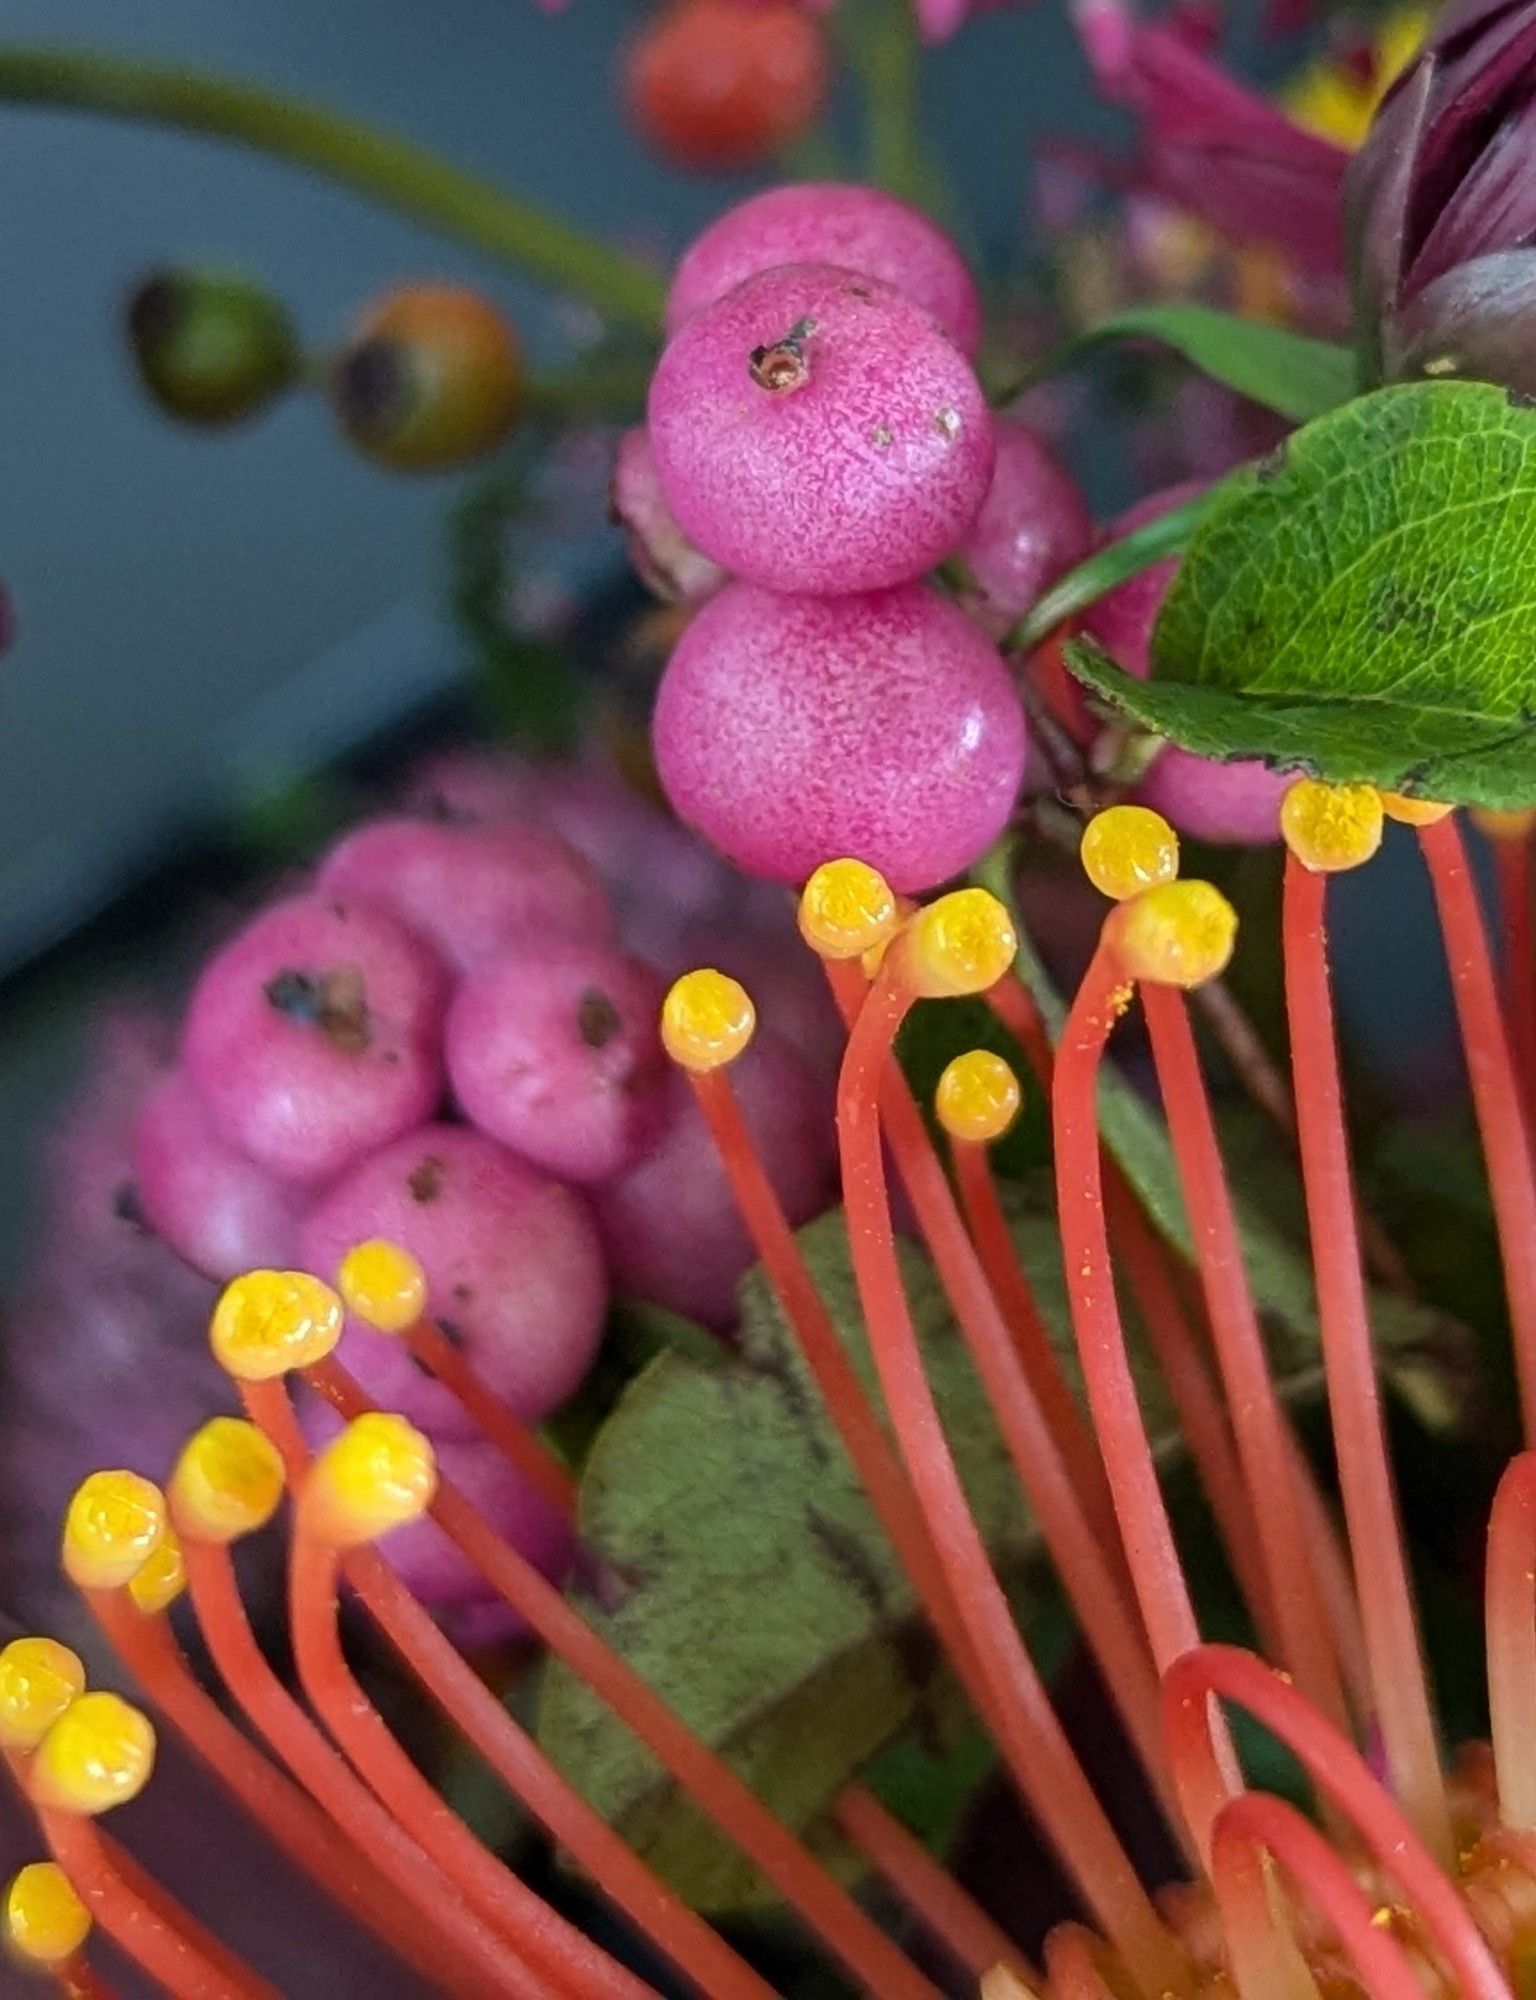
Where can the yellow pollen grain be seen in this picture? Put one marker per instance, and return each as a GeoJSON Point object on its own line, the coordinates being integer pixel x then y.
{"type": "Point", "coordinates": [162, 1579]}
{"type": "Point", "coordinates": [228, 1481]}
{"type": "Point", "coordinates": [379, 1473]}
{"type": "Point", "coordinates": [960, 944]}
{"type": "Point", "coordinates": [847, 909]}
{"type": "Point", "coordinates": [1331, 827]}
{"type": "Point", "coordinates": [707, 1020]}
{"type": "Point", "coordinates": [114, 1524]}
{"type": "Point", "coordinates": [1126, 849]}
{"type": "Point", "coordinates": [978, 1097]}
{"type": "Point", "coordinates": [45, 1921]}
{"type": "Point", "coordinates": [383, 1284]}
{"type": "Point", "coordinates": [267, 1323]}
{"type": "Point", "coordinates": [99, 1754]}
{"type": "Point", "coordinates": [1413, 812]}
{"type": "Point", "coordinates": [39, 1678]}
{"type": "Point", "coordinates": [1178, 934]}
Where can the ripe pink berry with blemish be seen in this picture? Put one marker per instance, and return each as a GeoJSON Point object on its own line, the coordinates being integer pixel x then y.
{"type": "Point", "coordinates": [313, 1036]}
{"type": "Point", "coordinates": [215, 1208]}
{"type": "Point", "coordinates": [671, 1228]}
{"type": "Point", "coordinates": [831, 222]}
{"type": "Point", "coordinates": [513, 1264]}
{"type": "Point", "coordinates": [814, 430]}
{"type": "Point", "coordinates": [790, 730]}
{"type": "Point", "coordinates": [467, 890]}
{"type": "Point", "coordinates": [552, 1048]}
{"type": "Point", "coordinates": [1033, 525]}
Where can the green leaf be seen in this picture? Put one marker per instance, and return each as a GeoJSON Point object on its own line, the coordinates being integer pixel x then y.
{"type": "Point", "coordinates": [1295, 376]}
{"type": "Point", "coordinates": [1362, 606]}
{"type": "Point", "coordinates": [1169, 535]}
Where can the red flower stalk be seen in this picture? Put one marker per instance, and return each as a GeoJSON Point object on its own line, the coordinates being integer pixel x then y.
{"type": "Point", "coordinates": [1419, 1880]}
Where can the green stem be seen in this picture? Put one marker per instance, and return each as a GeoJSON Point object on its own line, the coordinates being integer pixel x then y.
{"type": "Point", "coordinates": [389, 170]}
{"type": "Point", "coordinates": [1169, 535]}
{"type": "Point", "coordinates": [880, 43]}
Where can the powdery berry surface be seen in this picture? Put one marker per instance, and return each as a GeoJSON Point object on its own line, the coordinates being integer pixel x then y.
{"type": "Point", "coordinates": [792, 730]}
{"type": "Point", "coordinates": [215, 1208]}
{"type": "Point", "coordinates": [816, 431]}
{"type": "Point", "coordinates": [1033, 525]}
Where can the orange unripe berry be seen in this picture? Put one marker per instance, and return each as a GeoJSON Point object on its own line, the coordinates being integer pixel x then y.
{"type": "Point", "coordinates": [39, 1678]}
{"type": "Point", "coordinates": [1126, 849]}
{"type": "Point", "coordinates": [99, 1754]}
{"type": "Point", "coordinates": [707, 1021]}
{"type": "Point", "coordinates": [847, 909]}
{"type": "Point", "coordinates": [1513, 823]}
{"type": "Point", "coordinates": [383, 1285]}
{"type": "Point", "coordinates": [1330, 828]}
{"type": "Point", "coordinates": [114, 1524]}
{"type": "Point", "coordinates": [269, 1322]}
{"type": "Point", "coordinates": [228, 1481]}
{"type": "Point", "coordinates": [1178, 934]}
{"type": "Point", "coordinates": [162, 1579]}
{"type": "Point", "coordinates": [962, 943]}
{"type": "Point", "coordinates": [978, 1097]}
{"type": "Point", "coordinates": [432, 377]}
{"type": "Point", "coordinates": [377, 1474]}
{"type": "Point", "coordinates": [1413, 812]}
{"type": "Point", "coordinates": [45, 1921]}
{"type": "Point", "coordinates": [717, 84]}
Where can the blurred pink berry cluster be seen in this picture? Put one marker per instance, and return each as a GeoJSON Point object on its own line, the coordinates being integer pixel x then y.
{"type": "Point", "coordinates": [445, 1035]}
{"type": "Point", "coordinates": [817, 448]}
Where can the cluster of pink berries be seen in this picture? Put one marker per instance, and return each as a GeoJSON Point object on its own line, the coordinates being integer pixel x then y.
{"type": "Point", "coordinates": [448, 1037]}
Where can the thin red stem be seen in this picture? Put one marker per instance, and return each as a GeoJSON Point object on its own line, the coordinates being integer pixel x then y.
{"type": "Point", "coordinates": [1354, 1398]}
{"type": "Point", "coordinates": [1031, 1739]}
{"type": "Point", "coordinates": [1496, 1093]}
{"type": "Point", "coordinates": [1264, 1956]}
{"type": "Point", "coordinates": [930, 1892]}
{"type": "Point", "coordinates": [1510, 1601]}
{"type": "Point", "coordinates": [552, 1957]}
{"type": "Point", "coordinates": [1341, 1774]}
{"type": "Point", "coordinates": [523, 1449]}
{"type": "Point", "coordinates": [1515, 876]}
{"type": "Point", "coordinates": [1258, 1421]}
{"type": "Point", "coordinates": [78, 1981]}
{"type": "Point", "coordinates": [452, 1937]}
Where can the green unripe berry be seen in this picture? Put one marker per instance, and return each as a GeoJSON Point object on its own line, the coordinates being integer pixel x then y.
{"type": "Point", "coordinates": [431, 378]}
{"type": "Point", "coordinates": [211, 347]}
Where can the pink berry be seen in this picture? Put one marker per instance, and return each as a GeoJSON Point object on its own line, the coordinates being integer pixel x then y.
{"type": "Point", "coordinates": [791, 730]}
{"type": "Point", "coordinates": [214, 1207]}
{"type": "Point", "coordinates": [469, 788]}
{"type": "Point", "coordinates": [513, 1264]}
{"type": "Point", "coordinates": [663, 557]}
{"type": "Point", "coordinates": [1033, 525]}
{"type": "Point", "coordinates": [831, 222]}
{"type": "Point", "coordinates": [313, 1036]}
{"type": "Point", "coordinates": [553, 1049]}
{"type": "Point", "coordinates": [468, 890]}
{"type": "Point", "coordinates": [816, 431]}
{"type": "Point", "coordinates": [671, 1227]}
{"type": "Point", "coordinates": [1122, 620]}
{"type": "Point", "coordinates": [1237, 802]}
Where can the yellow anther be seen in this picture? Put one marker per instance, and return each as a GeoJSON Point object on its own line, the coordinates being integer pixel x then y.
{"type": "Point", "coordinates": [268, 1322]}
{"type": "Point", "coordinates": [162, 1579]}
{"type": "Point", "coordinates": [847, 909]}
{"type": "Point", "coordinates": [1413, 812]}
{"type": "Point", "coordinates": [1126, 849]}
{"type": "Point", "coordinates": [707, 1020]}
{"type": "Point", "coordinates": [384, 1285]}
{"type": "Point", "coordinates": [1513, 824]}
{"type": "Point", "coordinates": [978, 1097]}
{"type": "Point", "coordinates": [228, 1481]}
{"type": "Point", "coordinates": [379, 1473]}
{"type": "Point", "coordinates": [1331, 827]}
{"type": "Point", "coordinates": [99, 1754]}
{"type": "Point", "coordinates": [1178, 934]}
{"type": "Point", "coordinates": [45, 1921]}
{"type": "Point", "coordinates": [962, 943]}
{"type": "Point", "coordinates": [39, 1679]}
{"type": "Point", "coordinates": [115, 1522]}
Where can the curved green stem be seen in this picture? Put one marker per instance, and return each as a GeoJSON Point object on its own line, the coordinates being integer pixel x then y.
{"type": "Point", "coordinates": [388, 169]}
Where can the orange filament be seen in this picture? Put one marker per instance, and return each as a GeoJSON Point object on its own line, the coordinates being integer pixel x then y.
{"type": "Point", "coordinates": [1354, 1397]}
{"type": "Point", "coordinates": [1496, 1094]}
{"type": "Point", "coordinates": [1031, 1740]}
{"type": "Point", "coordinates": [522, 1448]}
{"type": "Point", "coordinates": [929, 1891]}
{"type": "Point", "coordinates": [1510, 1605]}
{"type": "Point", "coordinates": [1341, 1775]}
{"type": "Point", "coordinates": [1264, 1955]}
{"type": "Point", "coordinates": [1515, 876]}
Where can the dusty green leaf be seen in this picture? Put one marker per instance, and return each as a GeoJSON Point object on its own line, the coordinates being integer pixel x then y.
{"type": "Point", "coordinates": [1362, 606]}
